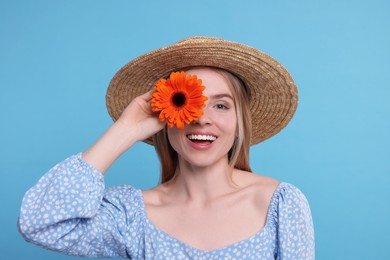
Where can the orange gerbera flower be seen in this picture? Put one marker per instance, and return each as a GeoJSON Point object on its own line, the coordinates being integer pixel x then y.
{"type": "Point", "coordinates": [179, 98]}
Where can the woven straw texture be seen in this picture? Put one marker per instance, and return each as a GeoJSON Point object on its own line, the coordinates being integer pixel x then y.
{"type": "Point", "coordinates": [274, 96]}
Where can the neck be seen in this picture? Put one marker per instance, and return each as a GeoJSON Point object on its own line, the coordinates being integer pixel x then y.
{"type": "Point", "coordinates": [200, 185]}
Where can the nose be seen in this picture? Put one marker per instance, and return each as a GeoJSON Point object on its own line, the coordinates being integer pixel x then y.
{"type": "Point", "coordinates": [203, 120]}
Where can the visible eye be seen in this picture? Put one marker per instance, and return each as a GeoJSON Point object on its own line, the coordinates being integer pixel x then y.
{"type": "Point", "coordinates": [221, 106]}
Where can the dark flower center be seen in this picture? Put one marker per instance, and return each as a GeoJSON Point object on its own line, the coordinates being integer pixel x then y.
{"type": "Point", "coordinates": [179, 99]}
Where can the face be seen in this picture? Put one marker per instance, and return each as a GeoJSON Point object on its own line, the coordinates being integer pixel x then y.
{"type": "Point", "coordinates": [208, 140]}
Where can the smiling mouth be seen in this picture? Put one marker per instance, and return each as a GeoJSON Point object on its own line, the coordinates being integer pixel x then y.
{"type": "Point", "coordinates": [202, 138]}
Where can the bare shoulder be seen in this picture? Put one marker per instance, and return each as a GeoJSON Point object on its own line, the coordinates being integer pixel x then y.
{"type": "Point", "coordinates": [153, 196]}
{"type": "Point", "coordinates": [246, 179]}
{"type": "Point", "coordinates": [260, 187]}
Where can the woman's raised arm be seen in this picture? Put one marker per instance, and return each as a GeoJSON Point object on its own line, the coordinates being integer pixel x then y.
{"type": "Point", "coordinates": [136, 123]}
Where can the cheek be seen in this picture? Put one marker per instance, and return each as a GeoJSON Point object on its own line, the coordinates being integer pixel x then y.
{"type": "Point", "coordinates": [174, 138]}
{"type": "Point", "coordinates": [229, 124]}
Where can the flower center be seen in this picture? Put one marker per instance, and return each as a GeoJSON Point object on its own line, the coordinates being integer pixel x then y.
{"type": "Point", "coordinates": [179, 99]}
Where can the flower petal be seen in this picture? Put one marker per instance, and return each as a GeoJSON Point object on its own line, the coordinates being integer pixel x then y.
{"type": "Point", "coordinates": [191, 87]}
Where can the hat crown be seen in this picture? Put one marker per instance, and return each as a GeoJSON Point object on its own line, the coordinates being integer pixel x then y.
{"type": "Point", "coordinates": [199, 39]}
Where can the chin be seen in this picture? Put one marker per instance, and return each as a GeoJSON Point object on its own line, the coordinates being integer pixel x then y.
{"type": "Point", "coordinates": [204, 160]}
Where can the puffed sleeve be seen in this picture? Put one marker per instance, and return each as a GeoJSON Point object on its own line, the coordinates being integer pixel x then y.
{"type": "Point", "coordinates": [70, 211]}
{"type": "Point", "coordinates": [295, 230]}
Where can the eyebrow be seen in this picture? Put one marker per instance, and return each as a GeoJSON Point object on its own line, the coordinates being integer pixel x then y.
{"type": "Point", "coordinates": [219, 96]}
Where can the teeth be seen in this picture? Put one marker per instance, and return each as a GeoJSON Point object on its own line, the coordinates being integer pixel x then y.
{"type": "Point", "coordinates": [202, 137]}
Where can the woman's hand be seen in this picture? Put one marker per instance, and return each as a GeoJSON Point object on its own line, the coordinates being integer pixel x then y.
{"type": "Point", "coordinates": [139, 118]}
{"type": "Point", "coordinates": [136, 123]}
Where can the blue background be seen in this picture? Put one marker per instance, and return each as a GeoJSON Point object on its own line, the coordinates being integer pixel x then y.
{"type": "Point", "coordinates": [58, 57]}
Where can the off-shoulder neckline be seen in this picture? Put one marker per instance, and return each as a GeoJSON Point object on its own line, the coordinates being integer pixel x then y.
{"type": "Point", "coordinates": [268, 222]}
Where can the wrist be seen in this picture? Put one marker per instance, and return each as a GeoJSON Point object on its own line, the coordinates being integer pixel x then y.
{"type": "Point", "coordinates": [122, 135]}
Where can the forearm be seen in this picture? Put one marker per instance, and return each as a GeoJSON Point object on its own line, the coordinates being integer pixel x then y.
{"type": "Point", "coordinates": [110, 146]}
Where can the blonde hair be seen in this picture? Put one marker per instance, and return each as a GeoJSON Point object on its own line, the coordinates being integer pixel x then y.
{"type": "Point", "coordinates": [238, 154]}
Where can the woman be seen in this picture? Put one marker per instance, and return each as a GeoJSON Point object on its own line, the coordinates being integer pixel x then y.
{"type": "Point", "coordinates": [209, 204]}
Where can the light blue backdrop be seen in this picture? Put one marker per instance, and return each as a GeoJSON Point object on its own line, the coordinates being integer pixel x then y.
{"type": "Point", "coordinates": [57, 58]}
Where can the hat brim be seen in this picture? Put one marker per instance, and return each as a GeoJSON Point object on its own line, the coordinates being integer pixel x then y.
{"type": "Point", "coordinates": [274, 96]}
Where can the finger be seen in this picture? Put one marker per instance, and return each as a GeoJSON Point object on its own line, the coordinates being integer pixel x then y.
{"type": "Point", "coordinates": [147, 96]}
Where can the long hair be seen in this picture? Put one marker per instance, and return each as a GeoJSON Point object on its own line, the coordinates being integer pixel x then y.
{"type": "Point", "coordinates": [238, 154]}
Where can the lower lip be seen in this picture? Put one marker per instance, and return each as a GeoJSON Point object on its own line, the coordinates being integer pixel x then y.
{"type": "Point", "coordinates": [201, 146]}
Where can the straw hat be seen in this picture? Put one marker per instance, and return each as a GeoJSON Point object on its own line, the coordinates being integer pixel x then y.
{"type": "Point", "coordinates": [274, 96]}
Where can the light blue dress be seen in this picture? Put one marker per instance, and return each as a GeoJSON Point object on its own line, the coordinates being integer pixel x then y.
{"type": "Point", "coordinates": [71, 212]}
